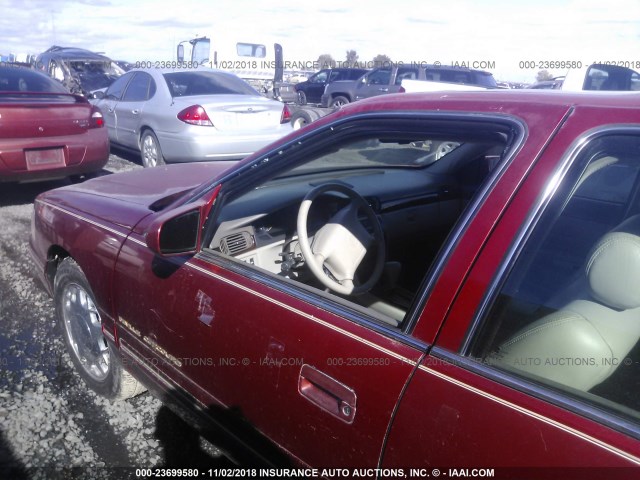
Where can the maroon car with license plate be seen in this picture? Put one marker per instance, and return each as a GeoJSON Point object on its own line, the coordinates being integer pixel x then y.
{"type": "Point", "coordinates": [45, 132]}
{"type": "Point", "coordinates": [360, 296]}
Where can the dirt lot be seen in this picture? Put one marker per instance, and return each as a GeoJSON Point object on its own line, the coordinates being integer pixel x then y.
{"type": "Point", "coordinates": [49, 421]}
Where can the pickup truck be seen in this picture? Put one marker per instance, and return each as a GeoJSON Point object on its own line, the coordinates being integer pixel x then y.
{"type": "Point", "coordinates": [414, 86]}
{"type": "Point", "coordinates": [384, 80]}
{"type": "Point", "coordinates": [594, 77]}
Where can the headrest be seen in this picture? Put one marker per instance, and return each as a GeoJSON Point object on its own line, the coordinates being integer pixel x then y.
{"type": "Point", "coordinates": [613, 269]}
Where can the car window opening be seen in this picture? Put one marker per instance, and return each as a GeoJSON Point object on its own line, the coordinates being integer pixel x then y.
{"type": "Point", "coordinates": [415, 187]}
{"type": "Point", "coordinates": [568, 315]}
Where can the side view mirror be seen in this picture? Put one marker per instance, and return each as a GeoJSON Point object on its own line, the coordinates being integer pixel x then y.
{"type": "Point", "coordinates": [175, 236]}
{"type": "Point", "coordinates": [97, 95]}
{"type": "Point", "coordinates": [178, 231]}
{"type": "Point", "coordinates": [180, 53]}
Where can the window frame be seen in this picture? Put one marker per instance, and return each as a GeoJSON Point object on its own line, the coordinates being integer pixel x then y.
{"type": "Point", "coordinates": [151, 87]}
{"type": "Point", "coordinates": [243, 47]}
{"type": "Point", "coordinates": [545, 392]}
{"type": "Point", "coordinates": [126, 79]}
{"type": "Point", "coordinates": [349, 127]}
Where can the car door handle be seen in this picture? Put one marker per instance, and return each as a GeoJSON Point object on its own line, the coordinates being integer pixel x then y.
{"type": "Point", "coordinates": [327, 393]}
{"type": "Point", "coordinates": [383, 89]}
{"type": "Point", "coordinates": [135, 112]}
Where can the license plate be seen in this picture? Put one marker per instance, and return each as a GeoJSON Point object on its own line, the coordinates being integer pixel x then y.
{"type": "Point", "coordinates": [249, 120]}
{"type": "Point", "coordinates": [44, 158]}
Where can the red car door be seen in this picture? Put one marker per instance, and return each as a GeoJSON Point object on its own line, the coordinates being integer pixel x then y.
{"type": "Point", "coordinates": [318, 374]}
{"type": "Point", "coordinates": [537, 362]}
{"type": "Point", "coordinates": [305, 377]}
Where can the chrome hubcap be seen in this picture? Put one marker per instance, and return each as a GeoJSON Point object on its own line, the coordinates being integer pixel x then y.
{"type": "Point", "coordinates": [299, 123]}
{"type": "Point", "coordinates": [149, 152]}
{"type": "Point", "coordinates": [84, 331]}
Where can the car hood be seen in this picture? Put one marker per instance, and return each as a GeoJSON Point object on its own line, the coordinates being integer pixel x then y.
{"type": "Point", "coordinates": [123, 199]}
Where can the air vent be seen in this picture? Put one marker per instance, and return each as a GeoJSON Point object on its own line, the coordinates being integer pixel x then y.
{"type": "Point", "coordinates": [236, 243]}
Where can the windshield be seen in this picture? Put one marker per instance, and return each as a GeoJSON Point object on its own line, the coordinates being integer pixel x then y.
{"type": "Point", "coordinates": [94, 75]}
{"type": "Point", "coordinates": [201, 51]}
{"type": "Point", "coordinates": [184, 84]}
{"type": "Point", "coordinates": [372, 153]}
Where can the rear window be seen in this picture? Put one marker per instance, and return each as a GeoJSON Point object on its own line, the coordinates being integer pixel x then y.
{"type": "Point", "coordinates": [17, 79]}
{"type": "Point", "coordinates": [184, 84]}
{"type": "Point", "coordinates": [611, 78]}
{"type": "Point", "coordinates": [467, 77]}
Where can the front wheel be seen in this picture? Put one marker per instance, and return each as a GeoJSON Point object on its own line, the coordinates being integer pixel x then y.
{"type": "Point", "coordinates": [150, 150]}
{"type": "Point", "coordinates": [95, 358]}
{"type": "Point", "coordinates": [301, 98]}
{"type": "Point", "coordinates": [339, 101]}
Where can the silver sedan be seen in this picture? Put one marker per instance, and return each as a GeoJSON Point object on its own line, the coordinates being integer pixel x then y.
{"type": "Point", "coordinates": [184, 115]}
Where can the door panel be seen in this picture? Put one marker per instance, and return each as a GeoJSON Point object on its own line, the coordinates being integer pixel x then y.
{"type": "Point", "coordinates": [450, 416]}
{"type": "Point", "coordinates": [128, 125]}
{"type": "Point", "coordinates": [107, 107]}
{"type": "Point", "coordinates": [320, 386]}
{"type": "Point", "coordinates": [536, 409]}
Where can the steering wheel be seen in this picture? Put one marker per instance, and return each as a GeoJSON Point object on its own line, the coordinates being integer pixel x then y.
{"type": "Point", "coordinates": [340, 245]}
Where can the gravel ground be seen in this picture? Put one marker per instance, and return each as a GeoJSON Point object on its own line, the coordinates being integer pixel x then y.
{"type": "Point", "coordinates": [51, 424]}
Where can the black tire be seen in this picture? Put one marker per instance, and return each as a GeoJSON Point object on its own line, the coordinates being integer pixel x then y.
{"type": "Point", "coordinates": [339, 101]}
{"type": "Point", "coordinates": [300, 118]}
{"type": "Point", "coordinates": [95, 358]}
{"type": "Point", "coordinates": [150, 151]}
{"type": "Point", "coordinates": [301, 98]}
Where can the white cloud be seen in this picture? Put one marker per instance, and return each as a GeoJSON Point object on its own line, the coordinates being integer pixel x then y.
{"type": "Point", "coordinates": [498, 31]}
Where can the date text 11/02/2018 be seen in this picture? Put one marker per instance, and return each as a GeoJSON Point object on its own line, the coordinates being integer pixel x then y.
{"type": "Point", "coordinates": [314, 473]}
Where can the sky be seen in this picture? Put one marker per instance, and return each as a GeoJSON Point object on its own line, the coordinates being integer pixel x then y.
{"type": "Point", "coordinates": [512, 39]}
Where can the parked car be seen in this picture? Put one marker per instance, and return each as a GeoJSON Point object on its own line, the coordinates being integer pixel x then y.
{"type": "Point", "coordinates": [384, 80]}
{"type": "Point", "coordinates": [285, 92]}
{"type": "Point", "coordinates": [594, 77]}
{"type": "Point", "coordinates": [124, 65]}
{"type": "Point", "coordinates": [45, 132]}
{"type": "Point", "coordinates": [601, 77]}
{"type": "Point", "coordinates": [553, 84]}
{"type": "Point", "coordinates": [178, 115]}
{"type": "Point", "coordinates": [80, 71]}
{"type": "Point", "coordinates": [358, 302]}
{"type": "Point", "coordinates": [311, 91]}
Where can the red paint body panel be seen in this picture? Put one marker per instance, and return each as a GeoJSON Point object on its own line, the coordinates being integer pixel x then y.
{"type": "Point", "coordinates": [257, 371]}
{"type": "Point", "coordinates": [94, 244]}
{"type": "Point", "coordinates": [59, 129]}
{"type": "Point", "coordinates": [495, 426]}
{"type": "Point", "coordinates": [307, 370]}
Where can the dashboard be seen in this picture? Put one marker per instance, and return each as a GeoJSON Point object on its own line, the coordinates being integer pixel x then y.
{"type": "Point", "coordinates": [260, 226]}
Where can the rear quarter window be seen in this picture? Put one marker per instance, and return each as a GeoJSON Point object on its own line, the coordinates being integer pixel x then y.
{"type": "Point", "coordinates": [13, 79]}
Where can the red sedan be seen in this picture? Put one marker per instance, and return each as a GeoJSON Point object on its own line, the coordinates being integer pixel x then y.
{"type": "Point", "coordinates": [362, 297]}
{"type": "Point", "coordinates": [45, 132]}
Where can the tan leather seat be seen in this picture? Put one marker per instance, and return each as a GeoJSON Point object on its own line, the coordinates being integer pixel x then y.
{"type": "Point", "coordinates": [583, 343]}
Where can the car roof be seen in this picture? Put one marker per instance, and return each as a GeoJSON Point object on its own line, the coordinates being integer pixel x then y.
{"type": "Point", "coordinates": [73, 53]}
{"type": "Point", "coordinates": [496, 100]}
